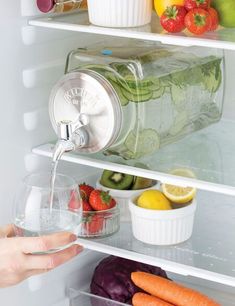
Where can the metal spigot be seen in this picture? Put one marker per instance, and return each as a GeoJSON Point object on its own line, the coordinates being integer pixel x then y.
{"type": "Point", "coordinates": [70, 136]}
{"type": "Point", "coordinates": [64, 143]}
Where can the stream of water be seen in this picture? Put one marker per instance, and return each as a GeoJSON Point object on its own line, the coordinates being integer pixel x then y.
{"type": "Point", "coordinates": [52, 183]}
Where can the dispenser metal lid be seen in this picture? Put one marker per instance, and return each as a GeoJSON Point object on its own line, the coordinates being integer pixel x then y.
{"type": "Point", "coordinates": [88, 95]}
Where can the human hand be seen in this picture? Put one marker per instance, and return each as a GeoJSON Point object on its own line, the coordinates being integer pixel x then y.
{"type": "Point", "coordinates": [17, 261]}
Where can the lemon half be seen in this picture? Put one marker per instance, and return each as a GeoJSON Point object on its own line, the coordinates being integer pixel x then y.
{"type": "Point", "coordinates": [180, 195]}
{"type": "Point", "coordinates": [177, 194]}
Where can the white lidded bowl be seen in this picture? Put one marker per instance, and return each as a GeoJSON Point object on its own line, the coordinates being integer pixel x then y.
{"type": "Point", "coordinates": [162, 227]}
{"type": "Point", "coordinates": [120, 13]}
{"type": "Point", "coordinates": [122, 198]}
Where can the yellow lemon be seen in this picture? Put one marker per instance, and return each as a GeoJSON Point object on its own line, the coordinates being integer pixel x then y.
{"type": "Point", "coordinates": [161, 5]}
{"type": "Point", "coordinates": [180, 195]}
{"type": "Point", "coordinates": [153, 199]}
{"type": "Point", "coordinates": [177, 194]}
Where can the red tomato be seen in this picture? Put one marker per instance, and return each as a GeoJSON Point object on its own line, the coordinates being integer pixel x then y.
{"type": "Point", "coordinates": [172, 20]}
{"type": "Point", "coordinates": [191, 4]}
{"type": "Point", "coordinates": [214, 18]}
{"type": "Point", "coordinates": [198, 21]}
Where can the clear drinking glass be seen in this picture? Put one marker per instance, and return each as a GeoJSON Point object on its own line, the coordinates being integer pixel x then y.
{"type": "Point", "coordinates": [33, 213]}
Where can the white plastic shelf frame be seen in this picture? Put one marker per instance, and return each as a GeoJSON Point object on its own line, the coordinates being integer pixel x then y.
{"type": "Point", "coordinates": [80, 295]}
{"type": "Point", "coordinates": [209, 254]}
{"type": "Point", "coordinates": [209, 153]}
{"type": "Point", "coordinates": [84, 298]}
{"type": "Point", "coordinates": [223, 38]}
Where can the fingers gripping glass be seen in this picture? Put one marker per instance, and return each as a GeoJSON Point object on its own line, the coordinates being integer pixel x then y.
{"type": "Point", "coordinates": [32, 213]}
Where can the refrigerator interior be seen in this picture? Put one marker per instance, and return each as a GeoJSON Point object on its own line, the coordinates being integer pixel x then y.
{"type": "Point", "coordinates": [32, 59]}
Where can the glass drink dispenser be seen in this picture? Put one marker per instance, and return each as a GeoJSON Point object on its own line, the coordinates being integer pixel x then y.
{"type": "Point", "coordinates": [138, 96]}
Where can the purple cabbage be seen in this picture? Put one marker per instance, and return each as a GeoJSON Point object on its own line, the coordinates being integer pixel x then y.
{"type": "Point", "coordinates": [112, 279]}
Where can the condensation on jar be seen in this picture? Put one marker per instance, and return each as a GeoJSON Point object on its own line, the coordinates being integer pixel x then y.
{"type": "Point", "coordinates": [60, 6]}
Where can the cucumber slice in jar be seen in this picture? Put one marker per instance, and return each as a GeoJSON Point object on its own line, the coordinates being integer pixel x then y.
{"type": "Point", "coordinates": [156, 81]}
{"type": "Point", "coordinates": [145, 142]}
{"type": "Point", "coordinates": [158, 93]}
{"type": "Point", "coordinates": [138, 84]}
{"type": "Point", "coordinates": [137, 96]}
{"type": "Point", "coordinates": [122, 69]}
{"type": "Point", "coordinates": [212, 83]}
{"type": "Point", "coordinates": [124, 101]}
{"type": "Point", "coordinates": [212, 75]}
{"type": "Point", "coordinates": [112, 76]}
{"type": "Point", "coordinates": [119, 80]}
{"type": "Point", "coordinates": [154, 87]}
{"type": "Point", "coordinates": [166, 81]}
{"type": "Point", "coordinates": [178, 96]}
{"type": "Point", "coordinates": [128, 93]}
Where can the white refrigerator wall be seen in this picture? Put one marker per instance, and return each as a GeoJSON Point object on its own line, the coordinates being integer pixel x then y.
{"type": "Point", "coordinates": [31, 60]}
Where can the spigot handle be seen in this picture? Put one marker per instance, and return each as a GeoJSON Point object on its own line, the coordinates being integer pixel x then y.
{"type": "Point", "coordinates": [73, 133]}
{"type": "Point", "coordinates": [65, 130]}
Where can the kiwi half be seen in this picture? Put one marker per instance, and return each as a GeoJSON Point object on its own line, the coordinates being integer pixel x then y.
{"type": "Point", "coordinates": [116, 180]}
{"type": "Point", "coordinates": [141, 183]}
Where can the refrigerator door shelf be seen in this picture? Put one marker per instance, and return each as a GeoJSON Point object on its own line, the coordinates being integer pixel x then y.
{"type": "Point", "coordinates": [223, 38]}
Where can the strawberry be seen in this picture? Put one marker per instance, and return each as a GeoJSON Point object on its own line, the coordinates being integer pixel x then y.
{"type": "Point", "coordinates": [85, 191]}
{"type": "Point", "coordinates": [101, 200]}
{"type": "Point", "coordinates": [172, 20]}
{"type": "Point", "coordinates": [86, 206]}
{"type": "Point", "coordinates": [92, 224]}
{"type": "Point", "coordinates": [74, 202]}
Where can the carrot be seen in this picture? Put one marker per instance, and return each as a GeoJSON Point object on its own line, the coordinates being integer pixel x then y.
{"type": "Point", "coordinates": [143, 299]}
{"type": "Point", "coordinates": [170, 291]}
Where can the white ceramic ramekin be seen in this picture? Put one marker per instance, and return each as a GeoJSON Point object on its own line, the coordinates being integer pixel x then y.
{"type": "Point", "coordinates": [162, 227]}
{"type": "Point", "coordinates": [122, 197]}
{"type": "Point", "coordinates": [120, 13]}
